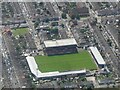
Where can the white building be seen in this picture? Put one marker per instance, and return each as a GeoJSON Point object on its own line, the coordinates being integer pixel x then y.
{"type": "Point", "coordinates": [58, 43]}
{"type": "Point", "coordinates": [35, 71]}
{"type": "Point", "coordinates": [97, 56]}
{"type": "Point", "coordinates": [59, 47]}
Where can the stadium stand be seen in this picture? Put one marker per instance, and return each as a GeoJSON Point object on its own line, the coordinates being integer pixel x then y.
{"type": "Point", "coordinates": [38, 74]}
{"type": "Point", "coordinates": [97, 56]}
{"type": "Point", "coordinates": [59, 47]}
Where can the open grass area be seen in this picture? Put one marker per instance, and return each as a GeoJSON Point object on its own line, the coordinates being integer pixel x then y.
{"type": "Point", "coordinates": [20, 31]}
{"type": "Point", "coordinates": [78, 61]}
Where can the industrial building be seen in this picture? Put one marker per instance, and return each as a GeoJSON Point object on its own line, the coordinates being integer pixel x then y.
{"type": "Point", "coordinates": [59, 47]}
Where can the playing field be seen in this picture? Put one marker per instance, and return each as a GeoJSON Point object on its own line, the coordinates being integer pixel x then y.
{"type": "Point", "coordinates": [20, 31]}
{"type": "Point", "coordinates": [82, 60]}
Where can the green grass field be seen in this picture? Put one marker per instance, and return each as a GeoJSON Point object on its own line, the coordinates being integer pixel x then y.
{"type": "Point", "coordinates": [20, 31]}
{"type": "Point", "coordinates": [78, 61]}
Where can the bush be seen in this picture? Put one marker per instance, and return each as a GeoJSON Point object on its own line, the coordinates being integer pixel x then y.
{"type": "Point", "coordinates": [64, 16]}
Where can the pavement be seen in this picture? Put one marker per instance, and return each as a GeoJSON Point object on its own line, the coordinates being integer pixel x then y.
{"type": "Point", "coordinates": [0, 61]}
{"type": "Point", "coordinates": [25, 11]}
{"type": "Point", "coordinates": [62, 21]}
{"type": "Point", "coordinates": [107, 49]}
{"type": "Point", "coordinates": [15, 65]}
{"type": "Point", "coordinates": [9, 63]}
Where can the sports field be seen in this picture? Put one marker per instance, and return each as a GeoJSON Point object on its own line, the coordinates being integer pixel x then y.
{"type": "Point", "coordinates": [78, 61]}
{"type": "Point", "coordinates": [20, 31]}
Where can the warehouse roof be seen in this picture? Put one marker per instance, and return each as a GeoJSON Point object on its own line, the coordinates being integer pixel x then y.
{"type": "Point", "coordinates": [97, 56]}
{"type": "Point", "coordinates": [62, 42]}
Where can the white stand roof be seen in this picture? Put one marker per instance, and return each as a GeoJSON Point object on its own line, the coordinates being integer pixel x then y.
{"type": "Point", "coordinates": [34, 70]}
{"type": "Point", "coordinates": [62, 42]}
{"type": "Point", "coordinates": [97, 56]}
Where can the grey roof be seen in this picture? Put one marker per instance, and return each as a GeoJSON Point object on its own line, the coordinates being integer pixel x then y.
{"type": "Point", "coordinates": [107, 12]}
{"type": "Point", "coordinates": [105, 81]}
{"type": "Point", "coordinates": [83, 11]}
{"type": "Point", "coordinates": [80, 4]}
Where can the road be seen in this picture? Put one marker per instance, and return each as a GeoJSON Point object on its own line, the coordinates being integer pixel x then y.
{"type": "Point", "coordinates": [0, 47]}
{"type": "Point", "coordinates": [9, 64]}
{"type": "Point", "coordinates": [1, 61]}
{"type": "Point", "coordinates": [107, 48]}
{"type": "Point", "coordinates": [63, 21]}
{"type": "Point", "coordinates": [17, 66]}
{"type": "Point", "coordinates": [113, 34]}
{"type": "Point", "coordinates": [26, 12]}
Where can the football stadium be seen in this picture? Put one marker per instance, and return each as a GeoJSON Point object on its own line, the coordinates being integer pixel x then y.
{"type": "Point", "coordinates": [49, 66]}
{"type": "Point", "coordinates": [62, 58]}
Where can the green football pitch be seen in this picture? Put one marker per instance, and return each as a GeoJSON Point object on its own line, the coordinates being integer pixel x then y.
{"type": "Point", "coordinates": [20, 31]}
{"type": "Point", "coordinates": [78, 61]}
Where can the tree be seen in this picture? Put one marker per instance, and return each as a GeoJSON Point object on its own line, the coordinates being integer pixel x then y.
{"type": "Point", "coordinates": [11, 10]}
{"type": "Point", "coordinates": [46, 20]}
{"type": "Point", "coordinates": [109, 42]}
{"type": "Point", "coordinates": [72, 5]}
{"type": "Point", "coordinates": [54, 23]}
{"type": "Point", "coordinates": [100, 27]}
{"type": "Point", "coordinates": [60, 8]}
{"type": "Point", "coordinates": [38, 11]}
{"type": "Point", "coordinates": [36, 24]}
{"type": "Point", "coordinates": [62, 25]}
{"type": "Point", "coordinates": [91, 7]}
{"type": "Point", "coordinates": [35, 4]}
{"type": "Point", "coordinates": [78, 17]}
{"type": "Point", "coordinates": [55, 31]}
{"type": "Point", "coordinates": [48, 12]}
{"type": "Point", "coordinates": [41, 4]}
{"type": "Point", "coordinates": [73, 16]}
{"type": "Point", "coordinates": [18, 48]}
{"type": "Point", "coordinates": [21, 36]}
{"type": "Point", "coordinates": [64, 16]}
